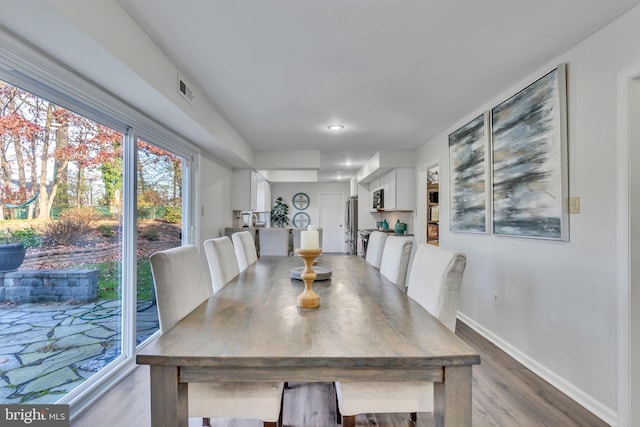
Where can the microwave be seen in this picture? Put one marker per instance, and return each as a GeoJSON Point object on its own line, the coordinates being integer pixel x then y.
{"type": "Point", "coordinates": [378, 199]}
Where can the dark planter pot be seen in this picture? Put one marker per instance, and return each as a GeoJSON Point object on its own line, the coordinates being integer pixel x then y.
{"type": "Point", "coordinates": [11, 256]}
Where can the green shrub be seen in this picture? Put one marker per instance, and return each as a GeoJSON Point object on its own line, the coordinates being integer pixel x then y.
{"type": "Point", "coordinates": [151, 234]}
{"type": "Point", "coordinates": [27, 237]}
{"type": "Point", "coordinates": [106, 230]}
{"type": "Point", "coordinates": [70, 228]}
{"type": "Point", "coordinates": [173, 214]}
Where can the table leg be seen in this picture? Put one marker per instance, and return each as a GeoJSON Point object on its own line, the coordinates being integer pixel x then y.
{"type": "Point", "coordinates": [452, 398]}
{"type": "Point", "coordinates": [168, 398]}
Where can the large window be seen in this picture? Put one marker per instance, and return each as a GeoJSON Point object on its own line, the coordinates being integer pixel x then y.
{"type": "Point", "coordinates": [159, 222]}
{"type": "Point", "coordinates": [89, 195]}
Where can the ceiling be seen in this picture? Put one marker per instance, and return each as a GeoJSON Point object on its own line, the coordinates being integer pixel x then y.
{"type": "Point", "coordinates": [394, 73]}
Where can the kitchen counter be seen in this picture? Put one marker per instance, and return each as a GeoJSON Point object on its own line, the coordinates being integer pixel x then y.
{"type": "Point", "coordinates": [390, 231]}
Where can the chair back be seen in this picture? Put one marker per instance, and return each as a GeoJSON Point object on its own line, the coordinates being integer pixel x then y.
{"type": "Point", "coordinates": [245, 248]}
{"type": "Point", "coordinates": [435, 281]}
{"type": "Point", "coordinates": [395, 259]}
{"type": "Point", "coordinates": [274, 241]}
{"type": "Point", "coordinates": [375, 247]}
{"type": "Point", "coordinates": [180, 281]}
{"type": "Point", "coordinates": [223, 264]}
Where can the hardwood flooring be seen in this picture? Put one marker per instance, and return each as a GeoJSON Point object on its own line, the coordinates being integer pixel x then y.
{"type": "Point", "coordinates": [505, 393]}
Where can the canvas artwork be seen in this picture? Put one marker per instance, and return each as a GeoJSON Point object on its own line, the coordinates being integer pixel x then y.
{"type": "Point", "coordinates": [529, 161]}
{"type": "Point", "coordinates": [468, 166]}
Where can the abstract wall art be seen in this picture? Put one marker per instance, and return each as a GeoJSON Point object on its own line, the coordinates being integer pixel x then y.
{"type": "Point", "coordinates": [468, 165]}
{"type": "Point", "coordinates": [529, 161]}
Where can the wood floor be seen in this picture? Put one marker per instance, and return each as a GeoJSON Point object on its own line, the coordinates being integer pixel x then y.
{"type": "Point", "coordinates": [505, 393]}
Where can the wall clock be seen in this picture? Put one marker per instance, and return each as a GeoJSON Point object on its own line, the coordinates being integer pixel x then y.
{"type": "Point", "coordinates": [301, 219]}
{"type": "Point", "coordinates": [300, 201]}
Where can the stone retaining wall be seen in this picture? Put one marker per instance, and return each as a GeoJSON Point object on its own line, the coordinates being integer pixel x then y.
{"type": "Point", "coordinates": [49, 285]}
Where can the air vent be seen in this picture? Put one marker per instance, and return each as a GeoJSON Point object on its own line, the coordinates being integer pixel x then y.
{"type": "Point", "coordinates": [184, 90]}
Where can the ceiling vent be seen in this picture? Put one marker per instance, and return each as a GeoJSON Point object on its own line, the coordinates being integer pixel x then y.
{"type": "Point", "coordinates": [184, 90]}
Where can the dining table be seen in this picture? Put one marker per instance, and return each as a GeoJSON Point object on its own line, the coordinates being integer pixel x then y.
{"type": "Point", "coordinates": [365, 329]}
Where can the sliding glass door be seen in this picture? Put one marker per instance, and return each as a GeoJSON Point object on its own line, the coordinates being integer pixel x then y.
{"type": "Point", "coordinates": [85, 203]}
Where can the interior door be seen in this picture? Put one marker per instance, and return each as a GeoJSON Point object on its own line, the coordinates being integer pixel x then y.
{"type": "Point", "coordinates": [331, 210]}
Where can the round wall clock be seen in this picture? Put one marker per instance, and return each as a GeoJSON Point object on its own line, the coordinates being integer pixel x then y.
{"type": "Point", "coordinates": [301, 219]}
{"type": "Point", "coordinates": [300, 201]}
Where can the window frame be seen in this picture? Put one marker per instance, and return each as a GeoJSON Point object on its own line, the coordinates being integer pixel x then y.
{"type": "Point", "coordinates": [26, 67]}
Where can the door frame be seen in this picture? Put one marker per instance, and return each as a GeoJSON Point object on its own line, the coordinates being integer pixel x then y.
{"type": "Point", "coordinates": [625, 384]}
{"type": "Point", "coordinates": [334, 193]}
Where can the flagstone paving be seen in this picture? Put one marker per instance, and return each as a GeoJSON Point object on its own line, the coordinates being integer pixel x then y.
{"type": "Point", "coordinates": [46, 350]}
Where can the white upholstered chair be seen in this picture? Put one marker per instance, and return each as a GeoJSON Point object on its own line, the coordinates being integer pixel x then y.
{"type": "Point", "coordinates": [245, 248]}
{"type": "Point", "coordinates": [375, 247]}
{"type": "Point", "coordinates": [181, 284]}
{"type": "Point", "coordinates": [274, 241]}
{"type": "Point", "coordinates": [223, 264]}
{"type": "Point", "coordinates": [395, 259]}
{"type": "Point", "coordinates": [434, 282]}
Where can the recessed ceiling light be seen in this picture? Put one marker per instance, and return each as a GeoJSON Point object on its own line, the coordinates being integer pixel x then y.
{"type": "Point", "coordinates": [347, 163]}
{"type": "Point", "coordinates": [335, 127]}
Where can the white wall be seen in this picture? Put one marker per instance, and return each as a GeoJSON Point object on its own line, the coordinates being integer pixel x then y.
{"type": "Point", "coordinates": [557, 300]}
{"type": "Point", "coordinates": [311, 189]}
{"type": "Point", "coordinates": [215, 198]}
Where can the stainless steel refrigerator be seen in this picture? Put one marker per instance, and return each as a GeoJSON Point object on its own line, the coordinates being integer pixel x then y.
{"type": "Point", "coordinates": [351, 225]}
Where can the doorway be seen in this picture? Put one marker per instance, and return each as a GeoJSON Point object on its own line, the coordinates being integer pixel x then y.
{"type": "Point", "coordinates": [331, 211]}
{"type": "Point", "coordinates": [433, 206]}
{"type": "Point", "coordinates": [628, 246]}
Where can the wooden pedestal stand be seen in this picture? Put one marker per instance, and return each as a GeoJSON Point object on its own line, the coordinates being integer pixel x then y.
{"type": "Point", "coordinates": [308, 298]}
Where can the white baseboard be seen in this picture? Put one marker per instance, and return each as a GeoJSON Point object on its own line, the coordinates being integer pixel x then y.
{"type": "Point", "coordinates": [603, 412]}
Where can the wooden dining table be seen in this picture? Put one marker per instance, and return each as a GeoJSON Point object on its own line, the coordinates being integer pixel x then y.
{"type": "Point", "coordinates": [365, 329]}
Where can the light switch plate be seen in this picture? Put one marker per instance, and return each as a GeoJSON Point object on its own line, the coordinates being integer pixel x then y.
{"type": "Point", "coordinates": [574, 205]}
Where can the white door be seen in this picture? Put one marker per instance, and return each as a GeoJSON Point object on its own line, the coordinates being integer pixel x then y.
{"type": "Point", "coordinates": [331, 210]}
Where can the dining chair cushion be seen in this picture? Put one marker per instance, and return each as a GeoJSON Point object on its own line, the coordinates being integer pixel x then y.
{"type": "Point", "coordinates": [223, 264]}
{"type": "Point", "coordinates": [170, 268]}
{"type": "Point", "coordinates": [384, 397]}
{"type": "Point", "coordinates": [435, 281]}
{"type": "Point", "coordinates": [395, 259]}
{"type": "Point", "coordinates": [245, 248]}
{"type": "Point", "coordinates": [375, 247]}
{"type": "Point", "coordinates": [236, 400]}
{"type": "Point", "coordinates": [181, 285]}
{"type": "Point", "coordinates": [274, 241]}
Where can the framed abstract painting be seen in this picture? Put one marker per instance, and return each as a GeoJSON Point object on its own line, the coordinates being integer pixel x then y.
{"type": "Point", "coordinates": [469, 167]}
{"type": "Point", "coordinates": [529, 161]}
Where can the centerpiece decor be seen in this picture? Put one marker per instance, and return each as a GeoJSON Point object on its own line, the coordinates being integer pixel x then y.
{"type": "Point", "coordinates": [308, 251]}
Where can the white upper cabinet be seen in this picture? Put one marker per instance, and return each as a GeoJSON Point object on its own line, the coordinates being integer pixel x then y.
{"type": "Point", "coordinates": [399, 189]}
{"type": "Point", "coordinates": [244, 194]}
{"type": "Point", "coordinates": [264, 195]}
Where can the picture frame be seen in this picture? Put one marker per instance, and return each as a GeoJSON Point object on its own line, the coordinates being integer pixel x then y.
{"type": "Point", "coordinates": [469, 192]}
{"type": "Point", "coordinates": [300, 201]}
{"type": "Point", "coordinates": [530, 160]}
{"type": "Point", "coordinates": [301, 219]}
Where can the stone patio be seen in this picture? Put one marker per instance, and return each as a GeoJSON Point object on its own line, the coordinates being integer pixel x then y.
{"type": "Point", "coordinates": [47, 349]}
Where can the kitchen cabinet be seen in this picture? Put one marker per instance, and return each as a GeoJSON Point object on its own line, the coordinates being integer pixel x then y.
{"type": "Point", "coordinates": [244, 190]}
{"type": "Point", "coordinates": [398, 186]}
{"type": "Point", "coordinates": [264, 196]}
{"type": "Point", "coordinates": [354, 186]}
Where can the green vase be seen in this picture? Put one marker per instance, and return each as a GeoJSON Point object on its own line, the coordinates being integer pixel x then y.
{"type": "Point", "coordinates": [401, 227]}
